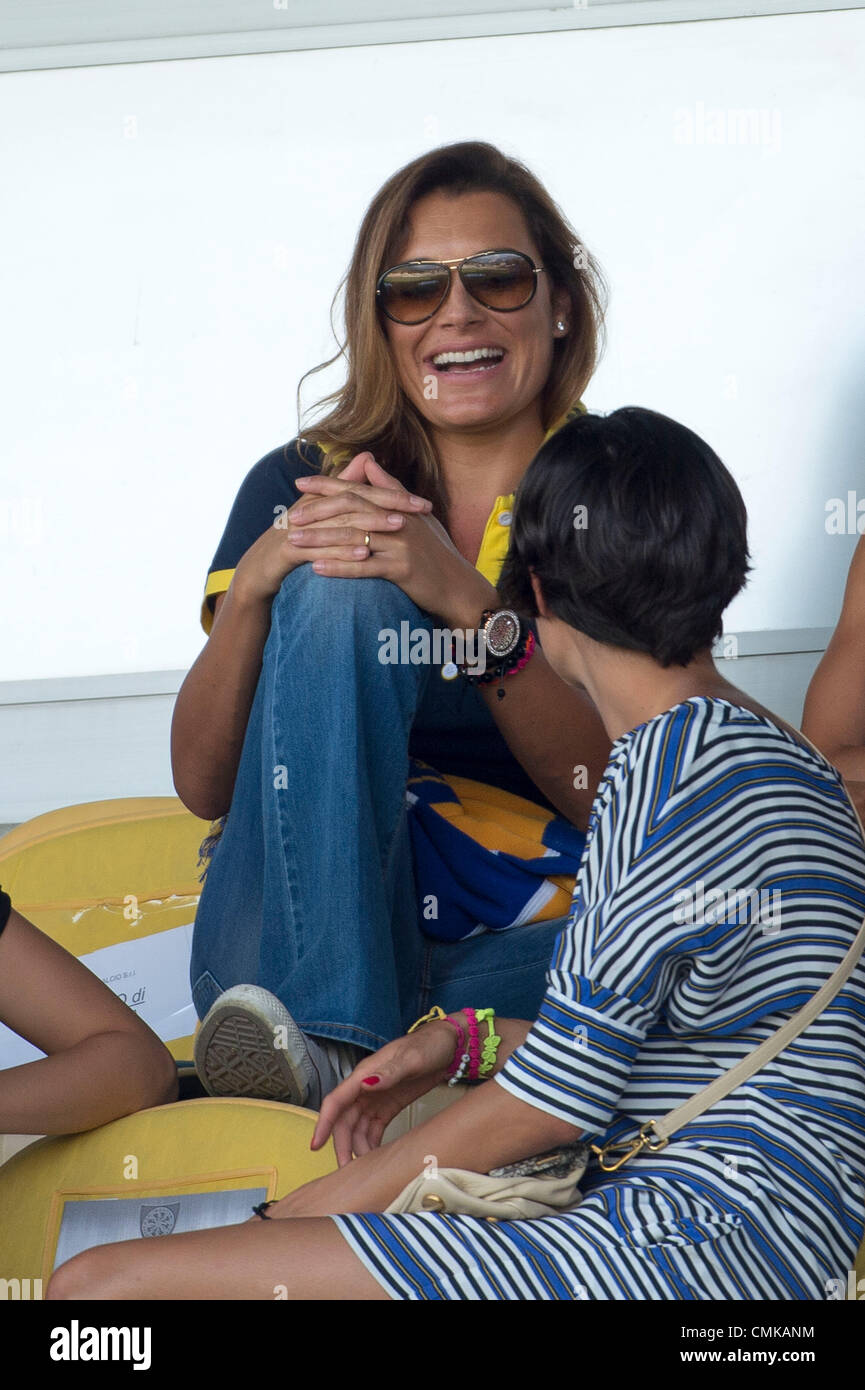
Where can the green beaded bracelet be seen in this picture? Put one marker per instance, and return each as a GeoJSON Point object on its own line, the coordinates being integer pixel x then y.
{"type": "Point", "coordinates": [490, 1044]}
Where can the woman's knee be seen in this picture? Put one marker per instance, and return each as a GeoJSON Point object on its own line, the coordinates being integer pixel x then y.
{"type": "Point", "coordinates": [316, 600]}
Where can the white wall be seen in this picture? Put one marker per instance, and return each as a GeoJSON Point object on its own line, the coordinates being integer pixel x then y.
{"type": "Point", "coordinates": [175, 231]}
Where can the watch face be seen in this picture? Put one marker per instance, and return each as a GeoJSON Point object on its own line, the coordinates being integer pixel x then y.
{"type": "Point", "coordinates": [502, 633]}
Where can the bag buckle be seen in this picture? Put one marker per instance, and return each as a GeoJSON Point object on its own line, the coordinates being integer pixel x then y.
{"type": "Point", "coordinates": [627, 1148]}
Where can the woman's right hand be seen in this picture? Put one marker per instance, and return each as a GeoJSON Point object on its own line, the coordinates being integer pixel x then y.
{"type": "Point", "coordinates": [268, 560]}
{"type": "Point", "coordinates": [358, 1111]}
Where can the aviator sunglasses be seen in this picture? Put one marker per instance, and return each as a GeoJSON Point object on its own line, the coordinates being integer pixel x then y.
{"type": "Point", "coordinates": [502, 280]}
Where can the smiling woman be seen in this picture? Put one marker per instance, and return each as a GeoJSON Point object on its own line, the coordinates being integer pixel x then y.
{"type": "Point", "coordinates": [334, 905]}
{"type": "Point", "coordinates": [451, 204]}
{"type": "Point", "coordinates": [482, 374]}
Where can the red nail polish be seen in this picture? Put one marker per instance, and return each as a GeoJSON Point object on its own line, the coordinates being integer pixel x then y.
{"type": "Point", "coordinates": [371, 1080]}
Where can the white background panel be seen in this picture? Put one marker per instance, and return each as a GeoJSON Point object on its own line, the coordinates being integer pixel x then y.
{"type": "Point", "coordinates": [174, 233]}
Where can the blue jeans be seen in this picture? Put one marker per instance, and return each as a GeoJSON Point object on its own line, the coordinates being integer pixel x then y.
{"type": "Point", "coordinates": [310, 891]}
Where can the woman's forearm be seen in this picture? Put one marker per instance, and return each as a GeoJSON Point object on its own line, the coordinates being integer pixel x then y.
{"type": "Point", "coordinates": [553, 730]}
{"type": "Point", "coordinates": [555, 733]}
{"type": "Point", "coordinates": [487, 1128]}
{"type": "Point", "coordinates": [99, 1079]}
{"type": "Point", "coordinates": [212, 708]}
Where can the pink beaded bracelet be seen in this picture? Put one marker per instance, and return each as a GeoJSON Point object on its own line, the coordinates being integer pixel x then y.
{"type": "Point", "coordinates": [474, 1045]}
{"type": "Point", "coordinates": [460, 1047]}
{"type": "Point", "coordinates": [530, 647]}
{"type": "Point", "coordinates": [461, 1057]}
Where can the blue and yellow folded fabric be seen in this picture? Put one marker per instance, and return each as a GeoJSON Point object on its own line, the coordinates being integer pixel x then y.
{"type": "Point", "coordinates": [485, 859]}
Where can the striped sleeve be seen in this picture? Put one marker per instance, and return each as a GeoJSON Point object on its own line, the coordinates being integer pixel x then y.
{"type": "Point", "coordinates": [576, 1061]}
{"type": "Point", "coordinates": [617, 959]}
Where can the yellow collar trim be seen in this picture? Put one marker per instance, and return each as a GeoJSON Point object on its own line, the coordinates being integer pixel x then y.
{"type": "Point", "coordinates": [497, 534]}
{"type": "Point", "coordinates": [496, 537]}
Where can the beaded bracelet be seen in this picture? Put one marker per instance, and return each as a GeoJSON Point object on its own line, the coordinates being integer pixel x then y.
{"type": "Point", "coordinates": [469, 1062]}
{"type": "Point", "coordinates": [474, 1045]}
{"type": "Point", "coordinates": [462, 1058]}
{"type": "Point", "coordinates": [508, 667]}
{"type": "Point", "coordinates": [491, 1043]}
{"type": "Point", "coordinates": [461, 1042]}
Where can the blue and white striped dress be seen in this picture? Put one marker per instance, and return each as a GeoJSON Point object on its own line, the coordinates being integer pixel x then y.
{"type": "Point", "coordinates": [722, 882]}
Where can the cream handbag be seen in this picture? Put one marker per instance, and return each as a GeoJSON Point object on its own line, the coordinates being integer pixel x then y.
{"type": "Point", "coordinates": [549, 1184]}
{"type": "Point", "coordinates": [534, 1187]}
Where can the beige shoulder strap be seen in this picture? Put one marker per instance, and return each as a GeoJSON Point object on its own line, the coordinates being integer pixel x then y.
{"type": "Point", "coordinates": [656, 1133]}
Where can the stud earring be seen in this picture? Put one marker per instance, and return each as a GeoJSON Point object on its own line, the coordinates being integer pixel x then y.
{"type": "Point", "coordinates": [560, 325]}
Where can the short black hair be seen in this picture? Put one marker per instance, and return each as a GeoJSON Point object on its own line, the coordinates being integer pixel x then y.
{"type": "Point", "coordinates": [657, 552]}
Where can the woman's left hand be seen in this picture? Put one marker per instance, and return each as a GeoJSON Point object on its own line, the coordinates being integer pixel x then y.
{"type": "Point", "coordinates": [419, 557]}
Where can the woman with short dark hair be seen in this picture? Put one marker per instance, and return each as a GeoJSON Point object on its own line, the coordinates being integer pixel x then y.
{"type": "Point", "coordinates": [722, 883]}
{"type": "Point", "coordinates": [581, 512]}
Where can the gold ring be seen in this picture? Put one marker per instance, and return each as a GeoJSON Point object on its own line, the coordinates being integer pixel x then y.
{"type": "Point", "coordinates": [366, 539]}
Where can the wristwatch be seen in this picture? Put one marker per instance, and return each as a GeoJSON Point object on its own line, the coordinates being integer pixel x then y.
{"type": "Point", "coordinates": [507, 646]}
{"type": "Point", "coordinates": [501, 630]}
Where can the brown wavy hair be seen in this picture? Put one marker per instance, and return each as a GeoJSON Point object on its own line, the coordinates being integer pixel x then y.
{"type": "Point", "coordinates": [371, 411]}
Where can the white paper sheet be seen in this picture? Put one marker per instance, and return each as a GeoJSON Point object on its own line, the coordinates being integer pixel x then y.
{"type": "Point", "coordinates": [105, 1220]}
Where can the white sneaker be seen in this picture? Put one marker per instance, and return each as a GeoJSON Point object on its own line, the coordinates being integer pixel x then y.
{"type": "Point", "coordinates": [249, 1045]}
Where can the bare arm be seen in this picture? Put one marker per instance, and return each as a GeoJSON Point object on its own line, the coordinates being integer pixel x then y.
{"type": "Point", "coordinates": [834, 715]}
{"type": "Point", "coordinates": [213, 704]}
{"type": "Point", "coordinates": [556, 734]}
{"type": "Point", "coordinates": [487, 1128]}
{"type": "Point", "coordinates": [102, 1062]}
{"type": "Point", "coordinates": [553, 730]}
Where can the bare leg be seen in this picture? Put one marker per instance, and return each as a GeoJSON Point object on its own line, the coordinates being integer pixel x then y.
{"type": "Point", "coordinates": [298, 1258]}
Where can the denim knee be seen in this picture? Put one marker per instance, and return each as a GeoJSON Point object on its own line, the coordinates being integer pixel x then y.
{"type": "Point", "coordinates": [304, 585]}
{"type": "Point", "coordinates": [325, 609]}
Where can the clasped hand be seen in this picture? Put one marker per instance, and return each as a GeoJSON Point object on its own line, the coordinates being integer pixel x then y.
{"type": "Point", "coordinates": [407, 544]}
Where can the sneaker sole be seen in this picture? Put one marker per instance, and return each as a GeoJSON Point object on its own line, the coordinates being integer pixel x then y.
{"type": "Point", "coordinates": [236, 1055]}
